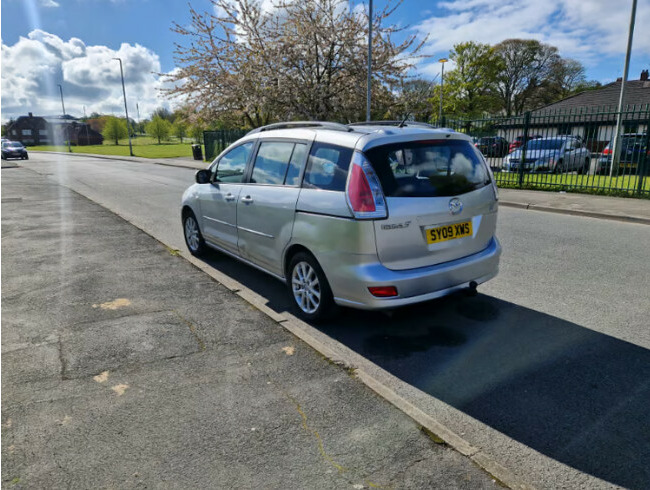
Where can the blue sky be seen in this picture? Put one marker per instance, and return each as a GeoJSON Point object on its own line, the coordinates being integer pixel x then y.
{"type": "Point", "coordinates": [72, 42]}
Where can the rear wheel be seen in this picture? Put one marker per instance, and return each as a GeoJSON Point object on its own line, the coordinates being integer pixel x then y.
{"type": "Point", "coordinates": [585, 167]}
{"type": "Point", "coordinates": [193, 238]}
{"type": "Point", "coordinates": [309, 289]}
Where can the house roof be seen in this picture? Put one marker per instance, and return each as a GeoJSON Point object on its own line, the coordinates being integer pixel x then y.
{"type": "Point", "coordinates": [637, 93]}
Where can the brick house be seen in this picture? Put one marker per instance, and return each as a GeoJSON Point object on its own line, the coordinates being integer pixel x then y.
{"type": "Point", "coordinates": [33, 130]}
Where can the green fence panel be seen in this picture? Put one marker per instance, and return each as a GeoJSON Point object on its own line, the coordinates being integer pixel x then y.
{"type": "Point", "coordinates": [216, 141]}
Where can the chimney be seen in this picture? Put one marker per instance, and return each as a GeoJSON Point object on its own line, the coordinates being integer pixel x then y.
{"type": "Point", "coordinates": [32, 115]}
{"type": "Point", "coordinates": [644, 75]}
{"type": "Point", "coordinates": [619, 79]}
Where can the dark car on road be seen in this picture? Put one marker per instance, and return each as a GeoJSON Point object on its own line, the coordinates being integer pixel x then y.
{"type": "Point", "coordinates": [14, 149]}
{"type": "Point", "coordinates": [492, 146]}
{"type": "Point", "coordinates": [634, 154]}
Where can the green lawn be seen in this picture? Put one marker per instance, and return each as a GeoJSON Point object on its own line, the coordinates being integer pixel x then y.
{"type": "Point", "coordinates": [143, 146]}
{"type": "Point", "coordinates": [592, 184]}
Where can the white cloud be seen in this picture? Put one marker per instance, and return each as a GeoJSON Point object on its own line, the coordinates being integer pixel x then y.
{"type": "Point", "coordinates": [49, 3]}
{"type": "Point", "coordinates": [587, 30]}
{"type": "Point", "coordinates": [33, 67]}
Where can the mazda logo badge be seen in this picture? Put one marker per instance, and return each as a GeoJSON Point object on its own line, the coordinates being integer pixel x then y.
{"type": "Point", "coordinates": [455, 206]}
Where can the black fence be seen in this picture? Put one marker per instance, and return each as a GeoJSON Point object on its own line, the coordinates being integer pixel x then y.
{"type": "Point", "coordinates": [217, 141]}
{"type": "Point", "coordinates": [566, 150]}
{"type": "Point", "coordinates": [547, 150]}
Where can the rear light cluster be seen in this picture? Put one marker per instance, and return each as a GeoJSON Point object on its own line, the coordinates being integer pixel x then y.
{"type": "Point", "coordinates": [364, 194]}
{"type": "Point", "coordinates": [607, 151]}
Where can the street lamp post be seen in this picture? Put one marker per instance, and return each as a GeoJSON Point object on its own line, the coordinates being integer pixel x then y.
{"type": "Point", "coordinates": [619, 116]}
{"type": "Point", "coordinates": [369, 60]}
{"type": "Point", "coordinates": [64, 119]}
{"type": "Point", "coordinates": [442, 83]}
{"type": "Point", "coordinates": [126, 110]}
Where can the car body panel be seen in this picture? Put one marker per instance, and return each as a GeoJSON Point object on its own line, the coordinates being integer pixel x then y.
{"type": "Point", "coordinates": [401, 239]}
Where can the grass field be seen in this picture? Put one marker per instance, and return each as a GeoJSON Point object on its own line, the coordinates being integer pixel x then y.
{"type": "Point", "coordinates": [592, 184]}
{"type": "Point", "coordinates": [143, 146]}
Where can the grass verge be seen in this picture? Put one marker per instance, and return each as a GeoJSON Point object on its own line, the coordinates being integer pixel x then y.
{"type": "Point", "coordinates": [623, 186]}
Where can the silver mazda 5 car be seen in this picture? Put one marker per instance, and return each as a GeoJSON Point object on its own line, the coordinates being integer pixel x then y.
{"type": "Point", "coordinates": [366, 215]}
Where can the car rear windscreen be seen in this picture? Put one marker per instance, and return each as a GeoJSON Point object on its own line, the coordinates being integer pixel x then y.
{"type": "Point", "coordinates": [428, 168]}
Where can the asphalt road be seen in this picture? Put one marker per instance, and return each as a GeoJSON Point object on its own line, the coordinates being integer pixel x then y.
{"type": "Point", "coordinates": [548, 367]}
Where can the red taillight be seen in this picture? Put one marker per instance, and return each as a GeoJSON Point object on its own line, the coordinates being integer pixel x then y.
{"type": "Point", "coordinates": [364, 194]}
{"type": "Point", "coordinates": [607, 151]}
{"type": "Point", "coordinates": [359, 192]}
{"type": "Point", "coordinates": [383, 291]}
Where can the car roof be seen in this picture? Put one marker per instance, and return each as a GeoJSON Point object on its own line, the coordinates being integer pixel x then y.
{"type": "Point", "coordinates": [360, 136]}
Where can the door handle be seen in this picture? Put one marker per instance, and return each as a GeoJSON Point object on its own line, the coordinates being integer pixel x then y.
{"type": "Point", "coordinates": [247, 199]}
{"type": "Point", "coordinates": [229, 197]}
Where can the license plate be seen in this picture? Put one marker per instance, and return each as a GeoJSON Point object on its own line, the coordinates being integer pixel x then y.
{"type": "Point", "coordinates": [449, 232]}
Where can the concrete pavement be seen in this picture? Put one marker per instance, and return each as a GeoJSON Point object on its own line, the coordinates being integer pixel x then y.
{"type": "Point", "coordinates": [124, 366]}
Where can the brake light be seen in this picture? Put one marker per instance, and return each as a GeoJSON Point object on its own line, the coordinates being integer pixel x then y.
{"type": "Point", "coordinates": [360, 193]}
{"type": "Point", "coordinates": [383, 291]}
{"type": "Point", "coordinates": [364, 194]}
{"type": "Point", "coordinates": [607, 151]}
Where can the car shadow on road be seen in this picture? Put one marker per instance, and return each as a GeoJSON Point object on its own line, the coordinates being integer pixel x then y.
{"type": "Point", "coordinates": [573, 394]}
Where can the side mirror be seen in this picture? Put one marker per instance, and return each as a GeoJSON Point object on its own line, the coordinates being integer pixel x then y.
{"type": "Point", "coordinates": [203, 176]}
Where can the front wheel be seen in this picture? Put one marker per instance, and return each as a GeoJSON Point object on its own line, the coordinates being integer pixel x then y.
{"type": "Point", "coordinates": [309, 288]}
{"type": "Point", "coordinates": [193, 238]}
{"type": "Point", "coordinates": [558, 167]}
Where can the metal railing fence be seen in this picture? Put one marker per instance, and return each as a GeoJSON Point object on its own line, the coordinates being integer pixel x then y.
{"type": "Point", "coordinates": [565, 150]}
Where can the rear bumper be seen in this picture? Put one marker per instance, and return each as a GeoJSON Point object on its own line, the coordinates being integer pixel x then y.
{"type": "Point", "coordinates": [350, 282]}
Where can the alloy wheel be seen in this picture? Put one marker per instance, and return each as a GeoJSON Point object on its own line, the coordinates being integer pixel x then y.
{"type": "Point", "coordinates": [192, 234]}
{"type": "Point", "coordinates": [306, 287]}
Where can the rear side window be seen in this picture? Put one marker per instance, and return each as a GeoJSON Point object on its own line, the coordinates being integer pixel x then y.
{"type": "Point", "coordinates": [278, 163]}
{"type": "Point", "coordinates": [327, 167]}
{"type": "Point", "coordinates": [272, 162]}
{"type": "Point", "coordinates": [428, 168]}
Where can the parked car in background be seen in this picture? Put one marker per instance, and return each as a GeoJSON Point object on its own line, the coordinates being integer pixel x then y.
{"type": "Point", "coordinates": [557, 155]}
{"type": "Point", "coordinates": [634, 152]}
{"type": "Point", "coordinates": [14, 149]}
{"type": "Point", "coordinates": [492, 146]}
{"type": "Point", "coordinates": [362, 215]}
{"type": "Point", "coordinates": [519, 140]}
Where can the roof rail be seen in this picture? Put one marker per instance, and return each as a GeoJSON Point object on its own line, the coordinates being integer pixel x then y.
{"type": "Point", "coordinates": [393, 123]}
{"type": "Point", "coordinates": [302, 124]}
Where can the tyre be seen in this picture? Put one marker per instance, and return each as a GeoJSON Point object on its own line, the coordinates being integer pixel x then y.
{"type": "Point", "coordinates": [559, 167]}
{"type": "Point", "coordinates": [585, 167]}
{"type": "Point", "coordinates": [192, 233]}
{"type": "Point", "coordinates": [308, 287]}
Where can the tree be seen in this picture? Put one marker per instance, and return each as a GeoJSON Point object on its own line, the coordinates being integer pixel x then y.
{"type": "Point", "coordinates": [158, 128]}
{"type": "Point", "coordinates": [414, 100]}
{"type": "Point", "coordinates": [114, 129]}
{"type": "Point", "coordinates": [298, 60]}
{"type": "Point", "coordinates": [164, 113]}
{"type": "Point", "coordinates": [470, 87]}
{"type": "Point", "coordinates": [526, 64]}
{"type": "Point", "coordinates": [179, 128]}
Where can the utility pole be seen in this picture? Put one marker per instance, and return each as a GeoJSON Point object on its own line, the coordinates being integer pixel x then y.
{"type": "Point", "coordinates": [615, 150]}
{"type": "Point", "coordinates": [369, 59]}
{"type": "Point", "coordinates": [65, 124]}
{"type": "Point", "coordinates": [126, 110]}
